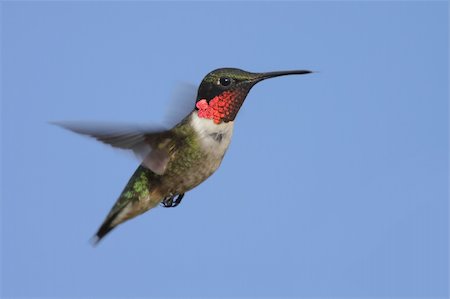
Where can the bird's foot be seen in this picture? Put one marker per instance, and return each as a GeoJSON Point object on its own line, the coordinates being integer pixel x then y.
{"type": "Point", "coordinates": [172, 201]}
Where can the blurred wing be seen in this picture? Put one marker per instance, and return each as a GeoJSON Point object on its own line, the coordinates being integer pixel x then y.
{"type": "Point", "coordinates": [140, 139]}
{"type": "Point", "coordinates": [118, 135]}
{"type": "Point", "coordinates": [182, 102]}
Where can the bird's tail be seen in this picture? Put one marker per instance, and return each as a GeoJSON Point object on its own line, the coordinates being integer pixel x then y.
{"type": "Point", "coordinates": [105, 228]}
{"type": "Point", "coordinates": [136, 198]}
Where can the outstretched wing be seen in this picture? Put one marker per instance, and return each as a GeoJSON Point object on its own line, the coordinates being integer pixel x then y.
{"type": "Point", "coordinates": [143, 141]}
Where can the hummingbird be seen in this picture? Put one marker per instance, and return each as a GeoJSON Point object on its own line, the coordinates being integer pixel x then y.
{"type": "Point", "coordinates": [177, 160]}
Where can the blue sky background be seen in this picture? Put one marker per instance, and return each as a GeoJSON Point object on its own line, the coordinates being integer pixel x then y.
{"type": "Point", "coordinates": [335, 184]}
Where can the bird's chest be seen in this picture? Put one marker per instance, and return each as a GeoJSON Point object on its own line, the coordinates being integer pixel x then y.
{"type": "Point", "coordinates": [213, 139]}
{"type": "Point", "coordinates": [196, 162]}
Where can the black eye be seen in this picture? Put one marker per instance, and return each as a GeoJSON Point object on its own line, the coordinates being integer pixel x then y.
{"type": "Point", "coordinates": [225, 81]}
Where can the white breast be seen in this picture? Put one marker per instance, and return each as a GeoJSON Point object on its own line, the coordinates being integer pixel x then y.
{"type": "Point", "coordinates": [215, 138]}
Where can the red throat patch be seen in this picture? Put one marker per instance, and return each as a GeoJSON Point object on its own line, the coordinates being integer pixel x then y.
{"type": "Point", "coordinates": [221, 107]}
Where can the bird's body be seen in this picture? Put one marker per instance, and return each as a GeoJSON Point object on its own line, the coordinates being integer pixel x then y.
{"type": "Point", "coordinates": [196, 146]}
{"type": "Point", "coordinates": [177, 160]}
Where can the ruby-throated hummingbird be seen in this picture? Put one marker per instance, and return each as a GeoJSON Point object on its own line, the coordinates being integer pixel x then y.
{"type": "Point", "coordinates": [177, 160]}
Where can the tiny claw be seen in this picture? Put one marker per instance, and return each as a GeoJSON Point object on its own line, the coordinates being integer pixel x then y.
{"type": "Point", "coordinates": [172, 201]}
{"type": "Point", "coordinates": [178, 200]}
{"type": "Point", "coordinates": [167, 201]}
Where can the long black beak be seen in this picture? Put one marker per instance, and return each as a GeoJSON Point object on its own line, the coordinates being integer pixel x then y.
{"type": "Point", "coordinates": [263, 76]}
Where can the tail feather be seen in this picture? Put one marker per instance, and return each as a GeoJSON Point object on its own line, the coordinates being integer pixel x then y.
{"type": "Point", "coordinates": [104, 229]}
{"type": "Point", "coordinates": [134, 200]}
{"type": "Point", "coordinates": [123, 210]}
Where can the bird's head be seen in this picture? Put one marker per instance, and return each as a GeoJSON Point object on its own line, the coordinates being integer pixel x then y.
{"type": "Point", "coordinates": [223, 91]}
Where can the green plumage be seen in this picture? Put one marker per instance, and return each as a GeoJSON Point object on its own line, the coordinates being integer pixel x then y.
{"type": "Point", "coordinates": [188, 166]}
